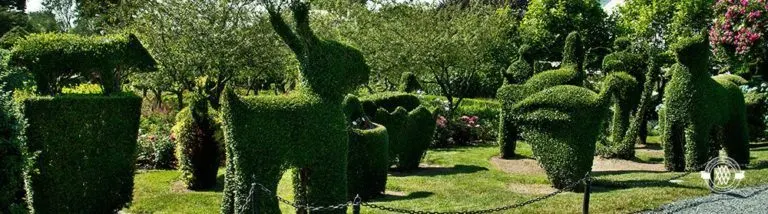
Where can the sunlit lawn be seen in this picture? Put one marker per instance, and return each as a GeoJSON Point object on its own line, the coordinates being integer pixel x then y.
{"type": "Point", "coordinates": [468, 181]}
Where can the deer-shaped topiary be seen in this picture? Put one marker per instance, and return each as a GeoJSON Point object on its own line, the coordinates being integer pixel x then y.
{"type": "Point", "coordinates": [701, 113]}
{"type": "Point", "coordinates": [306, 130]}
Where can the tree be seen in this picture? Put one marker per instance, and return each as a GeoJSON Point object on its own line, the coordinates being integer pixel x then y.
{"type": "Point", "coordinates": [548, 22]}
{"type": "Point", "coordinates": [44, 22]}
{"type": "Point", "coordinates": [646, 20]}
{"type": "Point", "coordinates": [12, 15]}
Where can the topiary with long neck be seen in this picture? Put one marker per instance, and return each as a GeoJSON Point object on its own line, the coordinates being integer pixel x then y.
{"type": "Point", "coordinates": [305, 130]}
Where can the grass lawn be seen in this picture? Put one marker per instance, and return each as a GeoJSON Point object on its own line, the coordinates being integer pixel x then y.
{"type": "Point", "coordinates": [465, 179]}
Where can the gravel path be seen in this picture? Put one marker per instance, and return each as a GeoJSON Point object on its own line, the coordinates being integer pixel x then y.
{"type": "Point", "coordinates": [747, 200]}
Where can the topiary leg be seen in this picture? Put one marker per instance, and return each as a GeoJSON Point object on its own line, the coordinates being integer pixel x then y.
{"type": "Point", "coordinates": [697, 146]}
{"type": "Point", "coordinates": [736, 142]}
{"type": "Point", "coordinates": [673, 140]}
{"type": "Point", "coordinates": [507, 136]}
{"type": "Point", "coordinates": [327, 181]}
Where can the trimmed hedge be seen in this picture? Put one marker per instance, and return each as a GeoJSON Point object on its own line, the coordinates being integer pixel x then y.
{"type": "Point", "coordinates": [396, 123]}
{"type": "Point", "coordinates": [389, 101]}
{"type": "Point", "coordinates": [84, 150]}
{"type": "Point", "coordinates": [56, 59]}
{"type": "Point", "coordinates": [409, 83]}
{"type": "Point", "coordinates": [368, 162]}
{"type": "Point", "coordinates": [548, 119]}
{"type": "Point", "coordinates": [419, 131]}
{"type": "Point", "coordinates": [197, 151]}
{"type": "Point", "coordinates": [698, 107]}
{"type": "Point", "coordinates": [570, 73]}
{"type": "Point", "coordinates": [756, 110]}
{"type": "Point", "coordinates": [267, 135]}
{"type": "Point", "coordinates": [11, 157]}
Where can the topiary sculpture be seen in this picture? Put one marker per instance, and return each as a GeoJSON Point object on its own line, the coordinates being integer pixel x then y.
{"type": "Point", "coordinates": [196, 147]}
{"type": "Point", "coordinates": [701, 113]}
{"type": "Point", "coordinates": [522, 69]}
{"type": "Point", "coordinates": [570, 73]}
{"type": "Point", "coordinates": [409, 83]}
{"type": "Point", "coordinates": [306, 129]}
{"type": "Point", "coordinates": [548, 119]}
{"type": "Point", "coordinates": [368, 152]}
{"type": "Point", "coordinates": [58, 60]}
{"type": "Point", "coordinates": [622, 60]}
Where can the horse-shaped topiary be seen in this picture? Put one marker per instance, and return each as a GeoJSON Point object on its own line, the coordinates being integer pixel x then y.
{"type": "Point", "coordinates": [266, 135]}
{"type": "Point", "coordinates": [701, 113]}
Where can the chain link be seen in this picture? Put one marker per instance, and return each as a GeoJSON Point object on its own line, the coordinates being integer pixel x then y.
{"type": "Point", "coordinates": [305, 207]}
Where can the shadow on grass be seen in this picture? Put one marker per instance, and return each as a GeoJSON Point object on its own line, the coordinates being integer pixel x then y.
{"type": "Point", "coordinates": [410, 196]}
{"type": "Point", "coordinates": [436, 171]}
{"type": "Point", "coordinates": [651, 160]}
{"type": "Point", "coordinates": [607, 186]}
{"type": "Point", "coordinates": [763, 164]}
{"type": "Point", "coordinates": [596, 174]}
{"type": "Point", "coordinates": [650, 146]}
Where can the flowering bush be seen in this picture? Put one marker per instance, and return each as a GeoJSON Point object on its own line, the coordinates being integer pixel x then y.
{"type": "Point", "coordinates": [156, 151]}
{"type": "Point", "coordinates": [738, 35]}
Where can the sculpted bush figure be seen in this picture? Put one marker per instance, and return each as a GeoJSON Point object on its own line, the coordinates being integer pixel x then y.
{"type": "Point", "coordinates": [305, 130]}
{"type": "Point", "coordinates": [701, 113]}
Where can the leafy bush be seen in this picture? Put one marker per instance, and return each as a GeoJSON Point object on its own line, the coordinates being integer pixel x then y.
{"type": "Point", "coordinates": [396, 123]}
{"type": "Point", "coordinates": [548, 119]}
{"type": "Point", "coordinates": [56, 60]}
{"type": "Point", "coordinates": [11, 157]}
{"type": "Point", "coordinates": [156, 151]}
{"type": "Point", "coordinates": [739, 36]}
{"type": "Point", "coordinates": [756, 112]}
{"type": "Point", "coordinates": [697, 107]}
{"type": "Point", "coordinates": [419, 132]}
{"type": "Point", "coordinates": [83, 146]}
{"type": "Point", "coordinates": [409, 83]}
{"type": "Point", "coordinates": [570, 73]}
{"type": "Point", "coordinates": [196, 148]}
{"type": "Point", "coordinates": [389, 101]}
{"type": "Point", "coordinates": [368, 159]}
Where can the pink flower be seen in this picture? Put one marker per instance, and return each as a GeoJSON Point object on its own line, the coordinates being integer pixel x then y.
{"type": "Point", "coordinates": [441, 121]}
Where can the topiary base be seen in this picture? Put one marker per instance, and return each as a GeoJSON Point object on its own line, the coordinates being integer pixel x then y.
{"type": "Point", "coordinates": [368, 162]}
{"type": "Point", "coordinates": [84, 149]}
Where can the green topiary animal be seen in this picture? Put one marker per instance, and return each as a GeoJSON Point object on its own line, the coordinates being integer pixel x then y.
{"type": "Point", "coordinates": [548, 120]}
{"type": "Point", "coordinates": [570, 73]}
{"type": "Point", "coordinates": [522, 69]}
{"type": "Point", "coordinates": [196, 147]}
{"type": "Point", "coordinates": [409, 83]}
{"type": "Point", "coordinates": [701, 113]}
{"type": "Point", "coordinates": [59, 60]}
{"type": "Point", "coordinates": [368, 153]}
{"type": "Point", "coordinates": [306, 129]}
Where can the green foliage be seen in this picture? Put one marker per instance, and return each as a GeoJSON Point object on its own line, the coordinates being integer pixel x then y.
{"type": "Point", "coordinates": [547, 120]}
{"type": "Point", "coordinates": [368, 162]}
{"type": "Point", "coordinates": [570, 73]}
{"type": "Point", "coordinates": [84, 150]}
{"type": "Point", "coordinates": [756, 104]}
{"type": "Point", "coordinates": [196, 148]}
{"type": "Point", "coordinates": [419, 131]}
{"type": "Point", "coordinates": [409, 83]}
{"type": "Point", "coordinates": [389, 101]}
{"type": "Point", "coordinates": [522, 69]}
{"type": "Point", "coordinates": [701, 113]}
{"type": "Point", "coordinates": [396, 123]}
{"type": "Point", "coordinates": [12, 36]}
{"type": "Point", "coordinates": [11, 157]}
{"type": "Point", "coordinates": [547, 22]}
{"type": "Point", "coordinates": [307, 129]}
{"type": "Point", "coordinates": [56, 59]}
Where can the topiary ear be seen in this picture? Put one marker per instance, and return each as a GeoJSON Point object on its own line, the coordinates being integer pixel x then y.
{"type": "Point", "coordinates": [573, 53]}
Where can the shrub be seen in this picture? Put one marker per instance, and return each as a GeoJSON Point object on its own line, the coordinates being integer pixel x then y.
{"type": "Point", "coordinates": [368, 159]}
{"type": "Point", "coordinates": [156, 151]}
{"type": "Point", "coordinates": [756, 111]}
{"type": "Point", "coordinates": [697, 108]}
{"type": "Point", "coordinates": [548, 119]}
{"type": "Point", "coordinates": [570, 73]}
{"type": "Point", "coordinates": [409, 83]}
{"type": "Point", "coordinates": [396, 123]}
{"type": "Point", "coordinates": [84, 150]}
{"type": "Point", "coordinates": [11, 157]}
{"type": "Point", "coordinates": [389, 101]}
{"type": "Point", "coordinates": [419, 132]}
{"type": "Point", "coordinates": [368, 162]}
{"type": "Point", "coordinates": [55, 60]}
{"type": "Point", "coordinates": [196, 148]}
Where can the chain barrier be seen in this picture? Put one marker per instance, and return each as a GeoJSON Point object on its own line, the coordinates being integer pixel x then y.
{"type": "Point", "coordinates": [305, 207]}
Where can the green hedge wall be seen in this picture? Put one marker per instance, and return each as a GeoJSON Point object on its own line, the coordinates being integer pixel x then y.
{"type": "Point", "coordinates": [11, 157]}
{"type": "Point", "coordinates": [698, 107]}
{"type": "Point", "coordinates": [54, 58]}
{"type": "Point", "coordinates": [389, 101]}
{"type": "Point", "coordinates": [84, 150]}
{"type": "Point", "coordinates": [368, 162]}
{"type": "Point", "coordinates": [419, 132]}
{"type": "Point", "coordinates": [548, 119]}
{"type": "Point", "coordinates": [570, 73]}
{"type": "Point", "coordinates": [196, 147]}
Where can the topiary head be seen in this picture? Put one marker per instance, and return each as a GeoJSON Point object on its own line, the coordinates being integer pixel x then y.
{"type": "Point", "coordinates": [573, 52]}
{"type": "Point", "coordinates": [526, 54]}
{"type": "Point", "coordinates": [692, 52]}
{"type": "Point", "coordinates": [333, 69]}
{"type": "Point", "coordinates": [138, 57]}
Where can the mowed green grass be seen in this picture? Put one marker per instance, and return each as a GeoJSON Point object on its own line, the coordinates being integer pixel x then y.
{"type": "Point", "coordinates": [465, 180]}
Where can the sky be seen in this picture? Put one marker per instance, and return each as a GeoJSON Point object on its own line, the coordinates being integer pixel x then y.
{"type": "Point", "coordinates": [36, 5]}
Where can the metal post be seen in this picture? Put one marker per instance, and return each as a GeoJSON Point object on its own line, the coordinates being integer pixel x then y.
{"type": "Point", "coordinates": [587, 190]}
{"type": "Point", "coordinates": [356, 205]}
